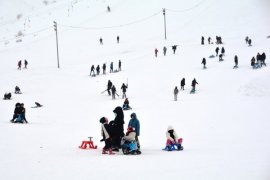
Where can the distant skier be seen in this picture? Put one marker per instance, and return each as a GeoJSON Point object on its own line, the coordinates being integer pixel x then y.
{"type": "Point", "coordinates": [101, 41]}
{"type": "Point", "coordinates": [217, 50]}
{"type": "Point", "coordinates": [223, 51]}
{"type": "Point", "coordinates": [263, 57]}
{"type": "Point", "coordinates": [104, 68]}
{"type": "Point", "coordinates": [193, 85]}
{"type": "Point", "coordinates": [25, 64]}
{"type": "Point", "coordinates": [204, 63]}
{"type": "Point", "coordinates": [124, 90]}
{"type": "Point", "coordinates": [253, 61]}
{"type": "Point", "coordinates": [109, 87]}
{"type": "Point", "coordinates": [174, 48]}
{"type": "Point", "coordinates": [202, 41]}
{"type": "Point", "coordinates": [98, 70]}
{"type": "Point", "coordinates": [156, 52]}
{"type": "Point", "coordinates": [119, 65]}
{"type": "Point", "coordinates": [92, 70]}
{"type": "Point", "coordinates": [235, 61]}
{"type": "Point", "coordinates": [113, 92]}
{"type": "Point", "coordinates": [183, 83]}
{"type": "Point", "coordinates": [209, 40]}
{"type": "Point", "coordinates": [118, 39]}
{"type": "Point", "coordinates": [249, 42]}
{"type": "Point", "coordinates": [246, 39]}
{"type": "Point", "coordinates": [164, 50]}
{"type": "Point", "coordinates": [175, 93]}
{"type": "Point", "coordinates": [108, 9]}
{"type": "Point", "coordinates": [111, 67]}
{"type": "Point", "coordinates": [20, 65]}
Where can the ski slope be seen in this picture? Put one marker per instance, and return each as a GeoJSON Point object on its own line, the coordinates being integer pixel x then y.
{"type": "Point", "coordinates": [225, 125]}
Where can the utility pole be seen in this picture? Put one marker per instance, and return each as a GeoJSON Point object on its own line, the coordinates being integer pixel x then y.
{"type": "Point", "coordinates": [55, 28]}
{"type": "Point", "coordinates": [164, 14]}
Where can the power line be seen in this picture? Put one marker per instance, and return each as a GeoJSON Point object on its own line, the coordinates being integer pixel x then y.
{"type": "Point", "coordinates": [115, 26]}
{"type": "Point", "coordinates": [188, 9]}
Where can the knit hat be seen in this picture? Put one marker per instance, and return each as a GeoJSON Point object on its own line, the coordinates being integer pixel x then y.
{"type": "Point", "coordinates": [103, 120]}
{"type": "Point", "coordinates": [130, 129]}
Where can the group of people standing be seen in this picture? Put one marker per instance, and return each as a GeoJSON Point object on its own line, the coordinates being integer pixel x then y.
{"type": "Point", "coordinates": [218, 40]}
{"type": "Point", "coordinates": [111, 89]}
{"type": "Point", "coordinates": [112, 132]}
{"type": "Point", "coordinates": [20, 64]}
{"type": "Point", "coordinates": [96, 70]}
{"type": "Point", "coordinates": [174, 47]}
{"type": "Point", "coordinates": [182, 84]}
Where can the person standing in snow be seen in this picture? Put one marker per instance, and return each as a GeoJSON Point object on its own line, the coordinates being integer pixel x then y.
{"type": "Point", "coordinates": [183, 83]}
{"type": "Point", "coordinates": [113, 92]}
{"type": "Point", "coordinates": [135, 123]}
{"type": "Point", "coordinates": [175, 93]}
{"type": "Point", "coordinates": [156, 52]}
{"type": "Point", "coordinates": [217, 50]}
{"type": "Point", "coordinates": [193, 85]}
{"type": "Point", "coordinates": [204, 63]}
{"type": "Point", "coordinates": [174, 48]}
{"type": "Point", "coordinates": [92, 70]}
{"type": "Point", "coordinates": [249, 42]}
{"type": "Point", "coordinates": [20, 65]}
{"type": "Point", "coordinates": [109, 87]}
{"type": "Point", "coordinates": [100, 41]}
{"type": "Point", "coordinates": [118, 39]}
{"type": "Point", "coordinates": [253, 61]}
{"type": "Point", "coordinates": [164, 50]}
{"type": "Point", "coordinates": [124, 90]}
{"type": "Point", "coordinates": [235, 61]}
{"type": "Point", "coordinates": [223, 51]}
{"type": "Point", "coordinates": [104, 68]}
{"type": "Point", "coordinates": [98, 70]}
{"type": "Point", "coordinates": [105, 133]}
{"type": "Point", "coordinates": [246, 39]}
{"type": "Point", "coordinates": [202, 41]}
{"type": "Point", "coordinates": [111, 67]}
{"type": "Point", "coordinates": [209, 40]}
{"type": "Point", "coordinates": [263, 57]}
{"type": "Point", "coordinates": [25, 64]}
{"type": "Point", "coordinates": [119, 65]}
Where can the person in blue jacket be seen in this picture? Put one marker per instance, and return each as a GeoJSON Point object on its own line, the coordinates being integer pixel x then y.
{"type": "Point", "coordinates": [135, 123]}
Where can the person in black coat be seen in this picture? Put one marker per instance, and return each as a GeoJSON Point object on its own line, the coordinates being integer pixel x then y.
{"type": "Point", "coordinates": [113, 92]}
{"type": "Point", "coordinates": [174, 48]}
{"type": "Point", "coordinates": [253, 61]}
{"type": "Point", "coordinates": [183, 83]}
{"type": "Point", "coordinates": [263, 57]}
{"type": "Point", "coordinates": [92, 70]}
{"type": "Point", "coordinates": [104, 68]}
{"type": "Point", "coordinates": [106, 130]}
{"type": "Point", "coordinates": [17, 112]}
{"type": "Point", "coordinates": [124, 90]}
{"type": "Point", "coordinates": [204, 63]}
{"type": "Point", "coordinates": [222, 51]}
{"type": "Point", "coordinates": [98, 70]}
{"type": "Point", "coordinates": [118, 39]}
{"type": "Point", "coordinates": [118, 127]}
{"type": "Point", "coordinates": [119, 65]}
{"type": "Point", "coordinates": [7, 96]}
{"type": "Point", "coordinates": [202, 40]}
{"type": "Point", "coordinates": [235, 61]}
{"type": "Point", "coordinates": [217, 49]}
{"type": "Point", "coordinates": [193, 85]}
{"type": "Point", "coordinates": [109, 87]}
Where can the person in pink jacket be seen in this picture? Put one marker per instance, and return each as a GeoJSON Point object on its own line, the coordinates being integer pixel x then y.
{"type": "Point", "coordinates": [173, 140]}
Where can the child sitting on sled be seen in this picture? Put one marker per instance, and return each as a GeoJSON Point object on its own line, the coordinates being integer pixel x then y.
{"type": "Point", "coordinates": [128, 143]}
{"type": "Point", "coordinates": [173, 142]}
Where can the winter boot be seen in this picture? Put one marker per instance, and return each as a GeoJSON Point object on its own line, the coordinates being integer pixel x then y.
{"type": "Point", "coordinates": [104, 151]}
{"type": "Point", "coordinates": [110, 152]}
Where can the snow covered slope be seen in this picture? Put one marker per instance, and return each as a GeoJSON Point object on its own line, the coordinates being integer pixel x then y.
{"type": "Point", "coordinates": [225, 125]}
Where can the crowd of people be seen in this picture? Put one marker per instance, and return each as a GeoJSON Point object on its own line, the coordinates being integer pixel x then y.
{"type": "Point", "coordinates": [95, 71]}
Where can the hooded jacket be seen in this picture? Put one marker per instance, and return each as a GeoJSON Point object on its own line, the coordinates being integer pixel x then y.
{"type": "Point", "coordinates": [135, 123]}
{"type": "Point", "coordinates": [169, 136]}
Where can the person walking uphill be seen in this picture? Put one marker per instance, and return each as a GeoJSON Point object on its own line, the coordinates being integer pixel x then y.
{"type": "Point", "coordinates": [193, 84]}
{"type": "Point", "coordinates": [118, 128]}
{"type": "Point", "coordinates": [124, 90]}
{"type": "Point", "coordinates": [183, 83]}
{"type": "Point", "coordinates": [109, 87]}
{"type": "Point", "coordinates": [174, 48]}
{"type": "Point", "coordinates": [156, 52]}
{"type": "Point", "coordinates": [135, 123]}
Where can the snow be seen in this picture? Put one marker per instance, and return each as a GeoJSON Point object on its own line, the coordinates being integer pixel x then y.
{"type": "Point", "coordinates": [225, 125]}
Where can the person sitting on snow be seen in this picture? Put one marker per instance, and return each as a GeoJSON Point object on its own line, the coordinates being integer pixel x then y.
{"type": "Point", "coordinates": [7, 96]}
{"type": "Point", "coordinates": [126, 105]}
{"type": "Point", "coordinates": [17, 90]}
{"type": "Point", "coordinates": [172, 139]}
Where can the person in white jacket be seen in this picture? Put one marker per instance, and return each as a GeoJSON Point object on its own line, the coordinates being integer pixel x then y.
{"type": "Point", "coordinates": [172, 139]}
